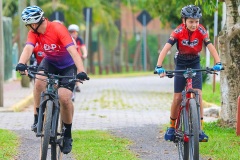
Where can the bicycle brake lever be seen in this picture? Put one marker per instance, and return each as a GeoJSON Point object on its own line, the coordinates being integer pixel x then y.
{"type": "Point", "coordinates": [170, 76]}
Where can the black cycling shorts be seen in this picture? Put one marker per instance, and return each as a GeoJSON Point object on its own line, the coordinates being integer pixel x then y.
{"type": "Point", "coordinates": [69, 71]}
{"type": "Point", "coordinates": [180, 81]}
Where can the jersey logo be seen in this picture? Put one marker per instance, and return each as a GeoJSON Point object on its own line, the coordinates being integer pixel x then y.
{"type": "Point", "coordinates": [192, 44]}
{"type": "Point", "coordinates": [40, 54]}
{"type": "Point", "coordinates": [171, 38]}
{"type": "Point", "coordinates": [178, 30]}
{"type": "Point", "coordinates": [49, 47]}
{"type": "Point", "coordinates": [203, 31]}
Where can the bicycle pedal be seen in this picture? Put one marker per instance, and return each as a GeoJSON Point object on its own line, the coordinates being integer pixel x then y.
{"type": "Point", "coordinates": [39, 135]}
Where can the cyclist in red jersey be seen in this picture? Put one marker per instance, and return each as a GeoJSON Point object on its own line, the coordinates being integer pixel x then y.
{"type": "Point", "coordinates": [81, 47]}
{"type": "Point", "coordinates": [38, 55]}
{"type": "Point", "coordinates": [189, 36]}
{"type": "Point", "coordinates": [61, 57]}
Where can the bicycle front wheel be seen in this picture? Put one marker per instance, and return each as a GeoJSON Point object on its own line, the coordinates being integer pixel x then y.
{"type": "Point", "coordinates": [182, 144]}
{"type": "Point", "coordinates": [56, 147]}
{"type": "Point", "coordinates": [193, 130]}
{"type": "Point", "coordinates": [46, 130]}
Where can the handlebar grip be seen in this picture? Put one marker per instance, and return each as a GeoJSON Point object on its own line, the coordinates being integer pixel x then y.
{"type": "Point", "coordinates": [213, 69]}
{"type": "Point", "coordinates": [155, 72]}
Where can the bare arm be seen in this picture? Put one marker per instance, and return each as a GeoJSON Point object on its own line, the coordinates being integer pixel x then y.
{"type": "Point", "coordinates": [163, 53]}
{"type": "Point", "coordinates": [213, 52]}
{"type": "Point", "coordinates": [84, 51]}
{"type": "Point", "coordinates": [76, 58]}
{"type": "Point", "coordinates": [26, 54]}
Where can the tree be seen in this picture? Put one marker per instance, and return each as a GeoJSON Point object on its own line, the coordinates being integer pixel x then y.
{"type": "Point", "coordinates": [229, 39]}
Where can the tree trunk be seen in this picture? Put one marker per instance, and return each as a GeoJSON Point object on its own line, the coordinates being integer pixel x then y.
{"type": "Point", "coordinates": [23, 34]}
{"type": "Point", "coordinates": [117, 54]}
{"type": "Point", "coordinates": [229, 40]}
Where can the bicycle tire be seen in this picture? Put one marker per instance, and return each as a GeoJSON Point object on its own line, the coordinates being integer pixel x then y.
{"type": "Point", "coordinates": [46, 130]}
{"type": "Point", "coordinates": [182, 146]}
{"type": "Point", "coordinates": [60, 145]}
{"type": "Point", "coordinates": [193, 130]}
{"type": "Point", "coordinates": [56, 153]}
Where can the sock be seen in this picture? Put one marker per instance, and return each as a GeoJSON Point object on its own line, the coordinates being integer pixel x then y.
{"type": "Point", "coordinates": [172, 122]}
{"type": "Point", "coordinates": [201, 123]}
{"type": "Point", "coordinates": [37, 110]}
{"type": "Point", "coordinates": [35, 118]}
{"type": "Point", "coordinates": [68, 130]}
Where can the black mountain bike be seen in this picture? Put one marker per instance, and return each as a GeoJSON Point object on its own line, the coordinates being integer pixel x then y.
{"type": "Point", "coordinates": [50, 127]}
{"type": "Point", "coordinates": [187, 127]}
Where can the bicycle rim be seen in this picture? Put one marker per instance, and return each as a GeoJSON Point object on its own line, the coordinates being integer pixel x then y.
{"type": "Point", "coordinates": [194, 131]}
{"type": "Point", "coordinates": [46, 130]}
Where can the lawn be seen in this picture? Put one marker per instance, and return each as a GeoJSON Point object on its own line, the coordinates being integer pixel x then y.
{"type": "Point", "coordinates": [8, 144]}
{"type": "Point", "coordinates": [223, 143]}
{"type": "Point", "coordinates": [100, 145]}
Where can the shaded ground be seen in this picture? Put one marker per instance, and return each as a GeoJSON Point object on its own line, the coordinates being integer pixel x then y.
{"type": "Point", "coordinates": [148, 143]}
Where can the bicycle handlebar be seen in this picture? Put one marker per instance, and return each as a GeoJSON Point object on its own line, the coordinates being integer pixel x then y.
{"type": "Point", "coordinates": [32, 73]}
{"type": "Point", "coordinates": [170, 73]}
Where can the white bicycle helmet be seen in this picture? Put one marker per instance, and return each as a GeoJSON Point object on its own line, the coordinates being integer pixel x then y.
{"type": "Point", "coordinates": [32, 14]}
{"type": "Point", "coordinates": [73, 27]}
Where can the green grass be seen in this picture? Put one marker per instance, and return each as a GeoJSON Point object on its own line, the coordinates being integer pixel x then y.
{"type": "Point", "coordinates": [223, 143]}
{"type": "Point", "coordinates": [209, 96]}
{"type": "Point", "coordinates": [100, 145]}
{"type": "Point", "coordinates": [8, 144]}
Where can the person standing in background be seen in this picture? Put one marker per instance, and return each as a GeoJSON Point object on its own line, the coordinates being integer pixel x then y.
{"type": "Point", "coordinates": [81, 47]}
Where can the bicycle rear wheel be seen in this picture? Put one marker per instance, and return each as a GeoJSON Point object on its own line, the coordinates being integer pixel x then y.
{"type": "Point", "coordinates": [193, 130]}
{"type": "Point", "coordinates": [46, 130]}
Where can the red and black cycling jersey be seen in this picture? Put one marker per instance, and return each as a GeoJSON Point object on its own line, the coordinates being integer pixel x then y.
{"type": "Point", "coordinates": [38, 53]}
{"type": "Point", "coordinates": [189, 42]}
{"type": "Point", "coordinates": [79, 43]}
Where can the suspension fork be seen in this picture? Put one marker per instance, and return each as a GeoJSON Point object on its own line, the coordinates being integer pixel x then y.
{"type": "Point", "coordinates": [55, 117]}
{"type": "Point", "coordinates": [42, 106]}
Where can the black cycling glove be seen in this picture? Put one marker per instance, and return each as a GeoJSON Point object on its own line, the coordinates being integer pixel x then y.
{"type": "Point", "coordinates": [82, 76]}
{"type": "Point", "coordinates": [21, 67]}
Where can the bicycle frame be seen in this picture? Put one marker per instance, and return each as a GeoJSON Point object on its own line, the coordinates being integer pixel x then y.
{"type": "Point", "coordinates": [50, 94]}
{"type": "Point", "coordinates": [187, 94]}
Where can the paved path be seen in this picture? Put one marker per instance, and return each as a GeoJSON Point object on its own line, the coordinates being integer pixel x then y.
{"type": "Point", "coordinates": [115, 104]}
{"type": "Point", "coordinates": [111, 103]}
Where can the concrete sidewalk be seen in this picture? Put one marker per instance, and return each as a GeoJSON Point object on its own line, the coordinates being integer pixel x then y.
{"type": "Point", "coordinates": [16, 97]}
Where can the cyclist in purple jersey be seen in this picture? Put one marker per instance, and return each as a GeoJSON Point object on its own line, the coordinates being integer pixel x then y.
{"type": "Point", "coordinates": [61, 58]}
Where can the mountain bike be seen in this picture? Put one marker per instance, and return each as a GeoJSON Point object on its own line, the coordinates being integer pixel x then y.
{"type": "Point", "coordinates": [50, 126]}
{"type": "Point", "coordinates": [188, 127]}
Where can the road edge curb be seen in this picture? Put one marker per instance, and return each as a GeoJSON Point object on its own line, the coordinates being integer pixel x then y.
{"type": "Point", "coordinates": [21, 105]}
